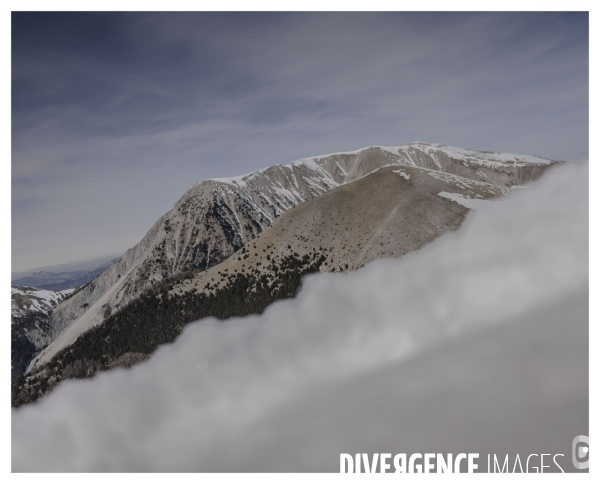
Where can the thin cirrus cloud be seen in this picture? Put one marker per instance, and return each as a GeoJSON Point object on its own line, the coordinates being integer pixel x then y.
{"type": "Point", "coordinates": [115, 115]}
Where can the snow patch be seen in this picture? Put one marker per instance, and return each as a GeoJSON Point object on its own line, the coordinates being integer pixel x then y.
{"type": "Point", "coordinates": [403, 174]}
{"type": "Point", "coordinates": [470, 203]}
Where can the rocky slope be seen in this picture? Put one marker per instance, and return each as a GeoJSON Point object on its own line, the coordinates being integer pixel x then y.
{"type": "Point", "coordinates": [31, 312]}
{"type": "Point", "coordinates": [217, 217]}
{"type": "Point", "coordinates": [388, 213]}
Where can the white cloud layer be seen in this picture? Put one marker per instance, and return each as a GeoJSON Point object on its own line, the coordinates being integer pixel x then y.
{"type": "Point", "coordinates": [476, 343]}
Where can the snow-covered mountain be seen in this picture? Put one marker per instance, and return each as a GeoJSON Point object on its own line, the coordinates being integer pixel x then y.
{"type": "Point", "coordinates": [31, 311]}
{"type": "Point", "coordinates": [216, 217]}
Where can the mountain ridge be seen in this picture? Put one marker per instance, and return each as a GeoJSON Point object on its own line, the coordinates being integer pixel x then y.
{"type": "Point", "coordinates": [388, 213]}
{"type": "Point", "coordinates": [216, 217]}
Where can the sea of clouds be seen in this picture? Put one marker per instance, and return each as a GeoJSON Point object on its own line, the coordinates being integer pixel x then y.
{"type": "Point", "coordinates": [476, 343]}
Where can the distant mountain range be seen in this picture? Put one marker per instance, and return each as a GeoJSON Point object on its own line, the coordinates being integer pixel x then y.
{"type": "Point", "coordinates": [232, 246]}
{"type": "Point", "coordinates": [62, 280]}
{"type": "Point", "coordinates": [85, 265]}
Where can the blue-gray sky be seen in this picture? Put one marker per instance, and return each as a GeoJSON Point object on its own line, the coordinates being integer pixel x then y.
{"type": "Point", "coordinates": [115, 115]}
